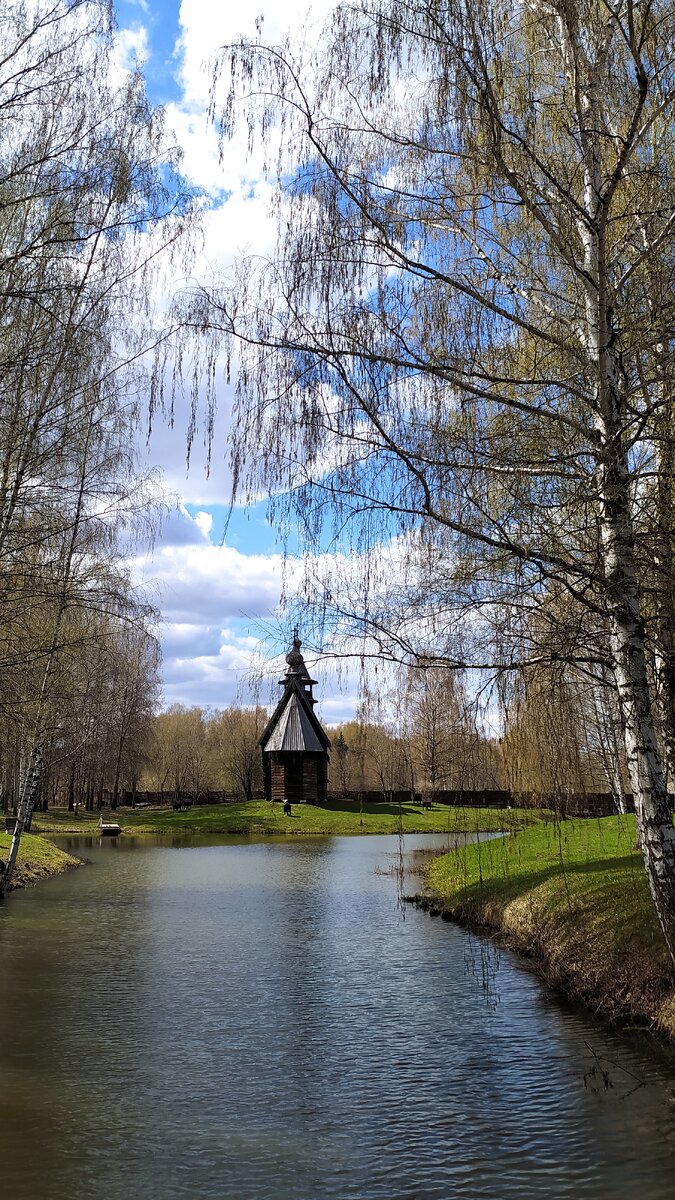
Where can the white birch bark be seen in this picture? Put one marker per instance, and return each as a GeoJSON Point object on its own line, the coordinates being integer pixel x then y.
{"type": "Point", "coordinates": [610, 735]}
{"type": "Point", "coordinates": [656, 833]}
{"type": "Point", "coordinates": [664, 650]}
{"type": "Point", "coordinates": [31, 782]}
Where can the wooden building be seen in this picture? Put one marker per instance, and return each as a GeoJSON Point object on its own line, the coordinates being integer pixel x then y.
{"type": "Point", "coordinates": [295, 747]}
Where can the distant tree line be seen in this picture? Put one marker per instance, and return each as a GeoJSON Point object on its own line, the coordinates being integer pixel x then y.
{"type": "Point", "coordinates": [191, 752]}
{"type": "Point", "coordinates": [424, 734]}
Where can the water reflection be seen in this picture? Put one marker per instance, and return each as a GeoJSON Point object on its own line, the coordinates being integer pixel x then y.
{"type": "Point", "coordinates": [255, 1020]}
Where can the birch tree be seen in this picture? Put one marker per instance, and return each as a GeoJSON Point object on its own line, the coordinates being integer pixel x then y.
{"type": "Point", "coordinates": [453, 341]}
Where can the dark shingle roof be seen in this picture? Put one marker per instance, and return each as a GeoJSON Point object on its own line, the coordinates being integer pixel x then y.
{"type": "Point", "coordinates": [294, 730]}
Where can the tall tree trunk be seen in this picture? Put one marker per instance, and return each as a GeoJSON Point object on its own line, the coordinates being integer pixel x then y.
{"type": "Point", "coordinates": [664, 655]}
{"type": "Point", "coordinates": [627, 626]}
{"type": "Point", "coordinates": [645, 767]}
{"type": "Point", "coordinates": [29, 793]}
{"type": "Point", "coordinates": [116, 788]}
{"type": "Point", "coordinates": [610, 736]}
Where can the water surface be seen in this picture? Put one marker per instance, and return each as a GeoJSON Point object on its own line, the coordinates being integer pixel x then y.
{"type": "Point", "coordinates": [254, 1021]}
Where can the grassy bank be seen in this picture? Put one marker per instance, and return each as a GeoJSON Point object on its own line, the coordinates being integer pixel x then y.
{"type": "Point", "coordinates": [258, 819]}
{"type": "Point", "coordinates": [574, 896]}
{"type": "Point", "coordinates": [37, 859]}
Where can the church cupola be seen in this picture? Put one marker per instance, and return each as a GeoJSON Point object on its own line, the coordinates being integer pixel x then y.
{"type": "Point", "coordinates": [297, 669]}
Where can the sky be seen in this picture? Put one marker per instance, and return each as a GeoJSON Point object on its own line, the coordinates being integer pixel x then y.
{"type": "Point", "coordinates": [218, 592]}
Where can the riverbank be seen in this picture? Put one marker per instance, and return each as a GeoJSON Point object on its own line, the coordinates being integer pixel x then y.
{"type": "Point", "coordinates": [259, 819]}
{"type": "Point", "coordinates": [573, 896]}
{"type": "Point", "coordinates": [38, 859]}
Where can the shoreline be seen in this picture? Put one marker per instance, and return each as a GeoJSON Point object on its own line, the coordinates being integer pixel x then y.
{"type": "Point", "coordinates": [571, 898]}
{"type": "Point", "coordinates": [38, 859]}
{"type": "Point", "coordinates": [258, 819]}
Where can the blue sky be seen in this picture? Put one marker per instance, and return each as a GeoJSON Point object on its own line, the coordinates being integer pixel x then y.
{"type": "Point", "coordinates": [160, 21]}
{"type": "Point", "coordinates": [218, 588]}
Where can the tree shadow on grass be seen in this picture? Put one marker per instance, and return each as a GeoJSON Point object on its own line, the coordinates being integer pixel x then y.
{"type": "Point", "coordinates": [373, 810]}
{"type": "Point", "coordinates": [516, 880]}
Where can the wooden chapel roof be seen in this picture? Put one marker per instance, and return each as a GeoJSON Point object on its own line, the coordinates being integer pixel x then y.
{"type": "Point", "coordinates": [293, 725]}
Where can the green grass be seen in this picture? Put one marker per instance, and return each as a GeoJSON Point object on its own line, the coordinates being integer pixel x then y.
{"type": "Point", "coordinates": [577, 853]}
{"type": "Point", "coordinates": [258, 819]}
{"type": "Point", "coordinates": [574, 894]}
{"type": "Point", "coordinates": [37, 859]}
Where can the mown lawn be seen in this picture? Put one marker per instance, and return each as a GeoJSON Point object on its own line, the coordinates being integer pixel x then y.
{"type": "Point", "coordinates": [37, 859]}
{"type": "Point", "coordinates": [575, 852]}
{"type": "Point", "coordinates": [574, 894]}
{"type": "Point", "coordinates": [258, 818]}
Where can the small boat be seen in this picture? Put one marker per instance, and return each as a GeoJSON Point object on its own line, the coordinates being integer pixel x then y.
{"type": "Point", "coordinates": [111, 829]}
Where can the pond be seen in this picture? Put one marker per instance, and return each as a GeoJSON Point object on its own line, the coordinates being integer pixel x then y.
{"type": "Point", "coordinates": [253, 1021]}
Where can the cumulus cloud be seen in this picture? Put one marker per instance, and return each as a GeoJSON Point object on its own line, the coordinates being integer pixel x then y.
{"type": "Point", "coordinates": [204, 28]}
{"type": "Point", "coordinates": [221, 613]}
{"type": "Point", "coordinates": [178, 528]}
{"type": "Point", "coordinates": [197, 582]}
{"type": "Point", "coordinates": [185, 640]}
{"type": "Point", "coordinates": [131, 50]}
{"type": "Point", "coordinates": [204, 31]}
{"type": "Point", "coordinates": [217, 667]}
{"type": "Point", "coordinates": [209, 681]}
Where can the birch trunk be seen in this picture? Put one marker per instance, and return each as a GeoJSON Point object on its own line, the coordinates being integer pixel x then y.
{"type": "Point", "coordinates": [652, 802]}
{"type": "Point", "coordinates": [29, 792]}
{"type": "Point", "coordinates": [610, 731]}
{"type": "Point", "coordinates": [31, 784]}
{"type": "Point", "coordinates": [628, 643]}
{"type": "Point", "coordinates": [656, 833]}
{"type": "Point", "coordinates": [664, 656]}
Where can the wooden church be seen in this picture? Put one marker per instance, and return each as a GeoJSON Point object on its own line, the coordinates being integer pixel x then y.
{"type": "Point", "coordinates": [295, 747]}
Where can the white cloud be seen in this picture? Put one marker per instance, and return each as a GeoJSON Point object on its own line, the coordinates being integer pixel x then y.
{"type": "Point", "coordinates": [204, 479]}
{"type": "Point", "coordinates": [203, 583]}
{"type": "Point", "coordinates": [204, 31]}
{"type": "Point", "coordinates": [185, 640]}
{"type": "Point", "coordinates": [214, 667]}
{"type": "Point", "coordinates": [131, 49]}
{"type": "Point", "coordinates": [178, 528]}
{"type": "Point", "coordinates": [209, 675]}
{"type": "Point", "coordinates": [221, 612]}
{"type": "Point", "coordinates": [206, 28]}
{"type": "Point", "coordinates": [204, 522]}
